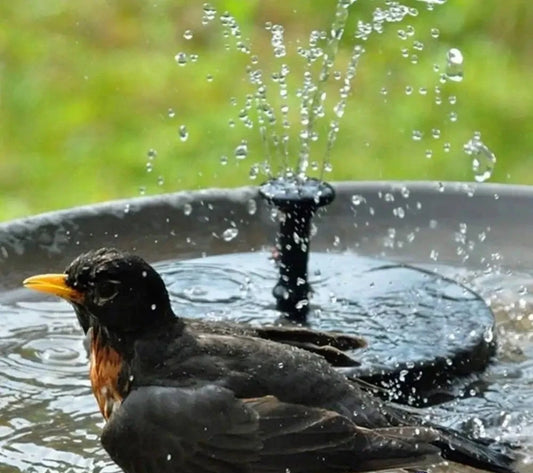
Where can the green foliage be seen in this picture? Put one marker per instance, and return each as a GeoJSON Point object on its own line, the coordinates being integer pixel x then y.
{"type": "Point", "coordinates": [86, 88]}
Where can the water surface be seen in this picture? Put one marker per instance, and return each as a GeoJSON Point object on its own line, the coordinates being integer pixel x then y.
{"type": "Point", "coordinates": [50, 421]}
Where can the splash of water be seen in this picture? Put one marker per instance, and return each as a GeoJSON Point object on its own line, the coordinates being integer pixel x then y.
{"type": "Point", "coordinates": [483, 159]}
{"type": "Point", "coordinates": [270, 112]}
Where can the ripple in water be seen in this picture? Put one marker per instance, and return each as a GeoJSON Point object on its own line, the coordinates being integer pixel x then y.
{"type": "Point", "coordinates": [50, 421]}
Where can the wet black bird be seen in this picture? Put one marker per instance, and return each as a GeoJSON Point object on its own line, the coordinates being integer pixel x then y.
{"type": "Point", "coordinates": [206, 398]}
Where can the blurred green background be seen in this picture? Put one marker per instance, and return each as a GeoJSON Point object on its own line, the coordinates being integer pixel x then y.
{"type": "Point", "coordinates": [86, 89]}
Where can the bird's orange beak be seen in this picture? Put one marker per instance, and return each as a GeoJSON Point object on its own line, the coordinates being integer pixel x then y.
{"type": "Point", "coordinates": [54, 284]}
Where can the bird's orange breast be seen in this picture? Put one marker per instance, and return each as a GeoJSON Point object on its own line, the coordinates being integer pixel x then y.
{"type": "Point", "coordinates": [106, 364]}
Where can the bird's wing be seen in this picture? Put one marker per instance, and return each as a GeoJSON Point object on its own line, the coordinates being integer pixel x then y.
{"type": "Point", "coordinates": [330, 345]}
{"type": "Point", "coordinates": [169, 429]}
{"type": "Point", "coordinates": [335, 347]}
{"type": "Point", "coordinates": [208, 430]}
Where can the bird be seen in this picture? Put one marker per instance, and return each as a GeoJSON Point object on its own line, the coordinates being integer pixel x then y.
{"type": "Point", "coordinates": [195, 397]}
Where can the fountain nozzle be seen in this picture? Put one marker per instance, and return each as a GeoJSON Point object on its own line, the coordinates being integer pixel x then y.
{"type": "Point", "coordinates": [297, 200]}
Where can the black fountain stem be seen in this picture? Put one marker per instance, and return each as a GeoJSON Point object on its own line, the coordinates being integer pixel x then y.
{"type": "Point", "coordinates": [298, 200]}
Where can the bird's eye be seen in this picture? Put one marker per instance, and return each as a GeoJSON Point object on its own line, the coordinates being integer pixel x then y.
{"type": "Point", "coordinates": [105, 291]}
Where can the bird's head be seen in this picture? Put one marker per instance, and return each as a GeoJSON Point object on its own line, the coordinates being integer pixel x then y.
{"type": "Point", "coordinates": [110, 288]}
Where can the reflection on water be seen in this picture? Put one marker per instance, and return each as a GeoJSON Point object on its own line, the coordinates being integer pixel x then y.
{"type": "Point", "coordinates": [50, 421]}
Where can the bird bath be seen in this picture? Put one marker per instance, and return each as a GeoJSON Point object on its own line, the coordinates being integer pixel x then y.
{"type": "Point", "coordinates": [383, 264]}
{"type": "Point", "coordinates": [475, 234]}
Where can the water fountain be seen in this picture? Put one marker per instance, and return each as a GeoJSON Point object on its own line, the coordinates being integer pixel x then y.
{"type": "Point", "coordinates": [236, 285]}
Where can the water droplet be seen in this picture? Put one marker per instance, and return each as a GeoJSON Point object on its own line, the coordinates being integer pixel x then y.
{"type": "Point", "coordinates": [483, 159]}
{"type": "Point", "coordinates": [152, 153]}
{"type": "Point", "coordinates": [142, 190]}
{"type": "Point", "coordinates": [434, 255]}
{"type": "Point", "coordinates": [241, 151]}
{"type": "Point", "coordinates": [435, 33]}
{"type": "Point", "coordinates": [171, 113]}
{"type": "Point", "coordinates": [277, 41]}
{"type": "Point", "coordinates": [454, 65]}
{"type": "Point", "coordinates": [188, 34]}
{"type": "Point", "coordinates": [160, 180]}
{"type": "Point", "coordinates": [187, 209]}
{"type": "Point", "coordinates": [127, 208]}
{"type": "Point", "coordinates": [488, 335]}
{"type": "Point", "coordinates": [209, 14]}
{"type": "Point", "coordinates": [301, 304]}
{"type": "Point", "coordinates": [418, 45]}
{"type": "Point", "coordinates": [209, 77]}
{"type": "Point", "coordinates": [251, 206]}
{"type": "Point", "coordinates": [417, 135]}
{"type": "Point", "coordinates": [149, 166]}
{"type": "Point", "coordinates": [183, 133]}
{"type": "Point", "coordinates": [254, 171]}
{"type": "Point", "coordinates": [399, 212]}
{"type": "Point", "coordinates": [181, 59]}
{"type": "Point", "coordinates": [230, 233]}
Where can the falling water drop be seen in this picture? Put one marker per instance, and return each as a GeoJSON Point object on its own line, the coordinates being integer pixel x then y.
{"type": "Point", "coordinates": [357, 199]}
{"type": "Point", "coordinates": [254, 171]}
{"type": "Point", "coordinates": [183, 133]}
{"type": "Point", "coordinates": [277, 41]}
{"type": "Point", "coordinates": [417, 135]}
{"type": "Point", "coordinates": [483, 159]}
{"type": "Point", "coordinates": [241, 151]}
{"type": "Point", "coordinates": [181, 59]}
{"type": "Point", "coordinates": [251, 206]}
{"type": "Point", "coordinates": [187, 209]}
{"type": "Point", "coordinates": [209, 14]}
{"type": "Point", "coordinates": [230, 233]}
{"type": "Point", "coordinates": [454, 65]}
